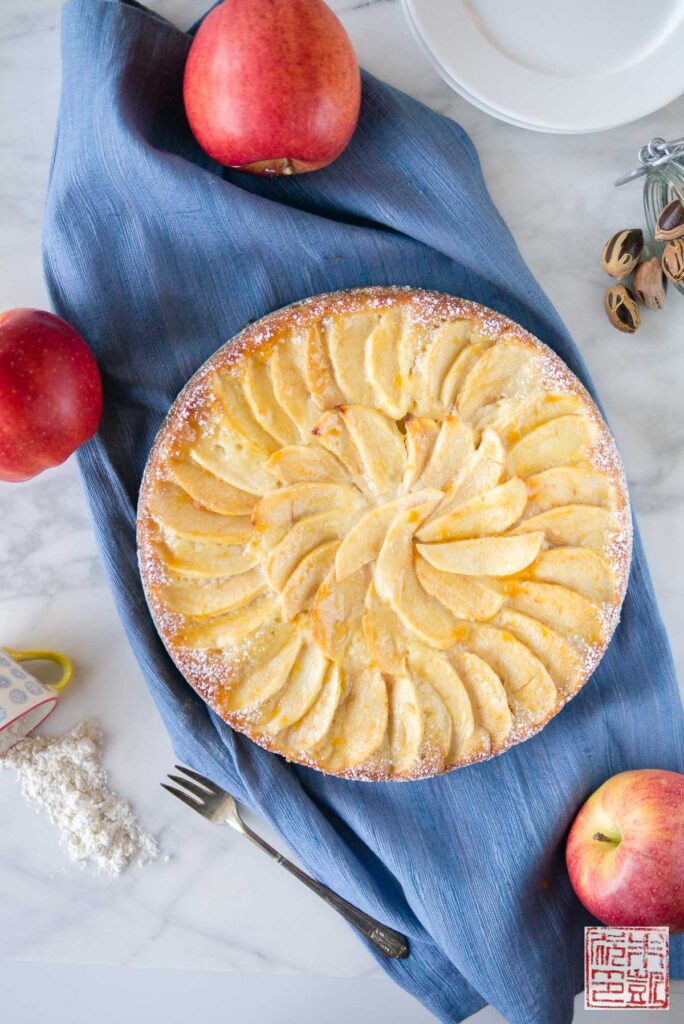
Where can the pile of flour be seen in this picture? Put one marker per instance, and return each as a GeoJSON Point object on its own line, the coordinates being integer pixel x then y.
{"type": "Point", "coordinates": [65, 777]}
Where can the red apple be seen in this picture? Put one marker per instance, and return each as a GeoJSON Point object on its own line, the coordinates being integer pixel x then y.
{"type": "Point", "coordinates": [625, 851]}
{"type": "Point", "coordinates": [272, 86]}
{"type": "Point", "coordinates": [50, 392]}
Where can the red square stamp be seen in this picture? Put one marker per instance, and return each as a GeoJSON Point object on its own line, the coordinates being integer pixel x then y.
{"type": "Point", "coordinates": [626, 968]}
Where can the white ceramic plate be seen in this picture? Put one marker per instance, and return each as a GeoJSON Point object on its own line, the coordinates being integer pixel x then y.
{"type": "Point", "coordinates": [557, 65]}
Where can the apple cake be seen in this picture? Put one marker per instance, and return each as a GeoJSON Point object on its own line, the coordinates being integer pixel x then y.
{"type": "Point", "coordinates": [385, 533]}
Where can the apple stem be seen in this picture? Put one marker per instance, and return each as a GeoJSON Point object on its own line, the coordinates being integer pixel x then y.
{"type": "Point", "coordinates": [602, 838]}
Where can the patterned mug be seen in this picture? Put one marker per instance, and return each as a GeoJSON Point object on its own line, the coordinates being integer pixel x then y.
{"type": "Point", "coordinates": [24, 701]}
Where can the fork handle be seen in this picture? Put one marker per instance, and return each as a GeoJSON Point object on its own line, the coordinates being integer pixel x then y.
{"type": "Point", "coordinates": [386, 940]}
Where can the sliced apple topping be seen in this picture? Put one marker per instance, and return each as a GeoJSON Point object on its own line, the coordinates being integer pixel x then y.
{"type": "Point", "coordinates": [359, 724]}
{"type": "Point", "coordinates": [318, 370]}
{"type": "Point", "coordinates": [396, 582]}
{"type": "Point", "coordinates": [379, 444]}
{"type": "Point", "coordinates": [204, 560]}
{"type": "Point", "coordinates": [363, 542]}
{"type": "Point", "coordinates": [226, 630]}
{"type": "Point", "coordinates": [560, 658]}
{"type": "Point", "coordinates": [569, 485]}
{"type": "Point", "coordinates": [581, 569]}
{"type": "Point", "coordinates": [382, 365]}
{"type": "Point", "coordinates": [421, 434]}
{"type": "Point", "coordinates": [507, 368]}
{"type": "Point", "coordinates": [347, 338]}
{"type": "Point", "coordinates": [559, 607]}
{"type": "Point", "coordinates": [573, 525]}
{"type": "Point", "coordinates": [238, 417]}
{"type": "Point", "coordinates": [481, 472]}
{"type": "Point", "coordinates": [337, 610]}
{"type": "Point", "coordinates": [514, 417]}
{"type": "Point", "coordinates": [458, 371]}
{"type": "Point", "coordinates": [212, 597]}
{"type": "Point", "coordinates": [302, 586]}
{"type": "Point", "coordinates": [405, 723]}
{"type": "Point", "coordinates": [290, 389]}
{"type": "Point", "coordinates": [289, 504]}
{"type": "Point", "coordinates": [464, 596]}
{"type": "Point", "coordinates": [492, 512]}
{"type": "Point", "coordinates": [452, 448]}
{"type": "Point", "coordinates": [268, 413]}
{"type": "Point", "coordinates": [485, 556]}
{"type": "Point", "coordinates": [438, 675]}
{"type": "Point", "coordinates": [555, 443]}
{"type": "Point", "coordinates": [384, 634]}
{"type": "Point", "coordinates": [310, 730]}
{"type": "Point", "coordinates": [300, 463]}
{"type": "Point", "coordinates": [233, 461]}
{"type": "Point", "coordinates": [298, 695]}
{"type": "Point", "coordinates": [209, 490]}
{"type": "Point", "coordinates": [268, 673]}
{"type": "Point", "coordinates": [331, 431]}
{"type": "Point", "coordinates": [525, 679]}
{"type": "Point", "coordinates": [305, 535]}
{"type": "Point", "coordinates": [175, 510]}
{"type": "Point", "coordinates": [487, 694]}
{"type": "Point", "coordinates": [443, 348]}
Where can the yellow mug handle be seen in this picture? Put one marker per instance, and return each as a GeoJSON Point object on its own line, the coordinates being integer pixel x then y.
{"type": "Point", "coordinates": [59, 659]}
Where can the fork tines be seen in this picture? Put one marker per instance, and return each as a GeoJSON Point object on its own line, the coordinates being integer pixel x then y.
{"type": "Point", "coordinates": [195, 796]}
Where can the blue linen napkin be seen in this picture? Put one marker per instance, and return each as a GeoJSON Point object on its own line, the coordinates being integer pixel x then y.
{"type": "Point", "coordinates": [157, 257]}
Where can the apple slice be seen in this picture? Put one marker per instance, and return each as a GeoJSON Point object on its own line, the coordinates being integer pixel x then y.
{"type": "Point", "coordinates": [405, 723]}
{"type": "Point", "coordinates": [310, 730]}
{"type": "Point", "coordinates": [439, 675]}
{"type": "Point", "coordinates": [363, 542]}
{"type": "Point", "coordinates": [267, 677]}
{"type": "Point", "coordinates": [487, 694]}
{"type": "Point", "coordinates": [459, 370]}
{"type": "Point", "coordinates": [358, 726]}
{"type": "Point", "coordinates": [557, 607]}
{"type": "Point", "coordinates": [421, 434]}
{"type": "Point", "coordinates": [226, 630]}
{"type": "Point", "coordinates": [268, 412]}
{"type": "Point", "coordinates": [177, 512]}
{"type": "Point", "coordinates": [302, 586]}
{"type": "Point", "coordinates": [337, 610]}
{"type": "Point", "coordinates": [446, 344]}
{"type": "Point", "coordinates": [484, 556]}
{"type": "Point", "coordinates": [481, 472]}
{"type": "Point", "coordinates": [462, 595]}
{"type": "Point", "coordinates": [384, 634]}
{"type": "Point", "coordinates": [559, 658]}
{"type": "Point", "coordinates": [238, 416]}
{"type": "Point", "coordinates": [555, 443]}
{"type": "Point", "coordinates": [573, 526]}
{"type": "Point", "coordinates": [213, 597]}
{"type": "Point", "coordinates": [569, 485]}
{"type": "Point", "coordinates": [580, 569]}
{"type": "Point", "coordinates": [289, 504]}
{"type": "Point", "coordinates": [379, 444]}
{"type": "Point", "coordinates": [318, 370]}
{"type": "Point", "coordinates": [514, 417]}
{"type": "Point", "coordinates": [290, 390]}
{"type": "Point", "coordinates": [299, 463]}
{"type": "Point", "coordinates": [300, 692]}
{"type": "Point", "coordinates": [331, 431]}
{"type": "Point", "coordinates": [528, 684]}
{"type": "Point", "coordinates": [438, 728]}
{"type": "Point", "coordinates": [226, 457]}
{"type": "Point", "coordinates": [452, 448]}
{"type": "Point", "coordinates": [203, 561]}
{"type": "Point", "coordinates": [382, 364]}
{"type": "Point", "coordinates": [491, 512]}
{"type": "Point", "coordinates": [396, 582]}
{"type": "Point", "coordinates": [304, 536]}
{"type": "Point", "coordinates": [347, 338]}
{"type": "Point", "coordinates": [507, 368]}
{"type": "Point", "coordinates": [215, 494]}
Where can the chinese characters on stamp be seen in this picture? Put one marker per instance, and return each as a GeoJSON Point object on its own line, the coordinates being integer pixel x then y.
{"type": "Point", "coordinates": [626, 968]}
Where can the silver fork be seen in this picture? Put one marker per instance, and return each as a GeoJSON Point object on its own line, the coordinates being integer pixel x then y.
{"type": "Point", "coordinates": [220, 808]}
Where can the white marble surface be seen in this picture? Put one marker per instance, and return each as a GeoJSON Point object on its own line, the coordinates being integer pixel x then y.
{"type": "Point", "coordinates": [215, 906]}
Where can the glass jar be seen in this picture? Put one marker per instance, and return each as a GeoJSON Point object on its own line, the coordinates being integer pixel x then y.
{"type": "Point", "coordinates": [662, 166]}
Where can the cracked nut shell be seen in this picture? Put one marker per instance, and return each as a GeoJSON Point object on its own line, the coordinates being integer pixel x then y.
{"type": "Point", "coordinates": [673, 261]}
{"type": "Point", "coordinates": [670, 223]}
{"type": "Point", "coordinates": [649, 285]}
{"type": "Point", "coordinates": [621, 309]}
{"type": "Point", "coordinates": [622, 252]}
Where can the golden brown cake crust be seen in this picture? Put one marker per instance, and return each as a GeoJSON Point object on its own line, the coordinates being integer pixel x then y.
{"type": "Point", "coordinates": [212, 672]}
